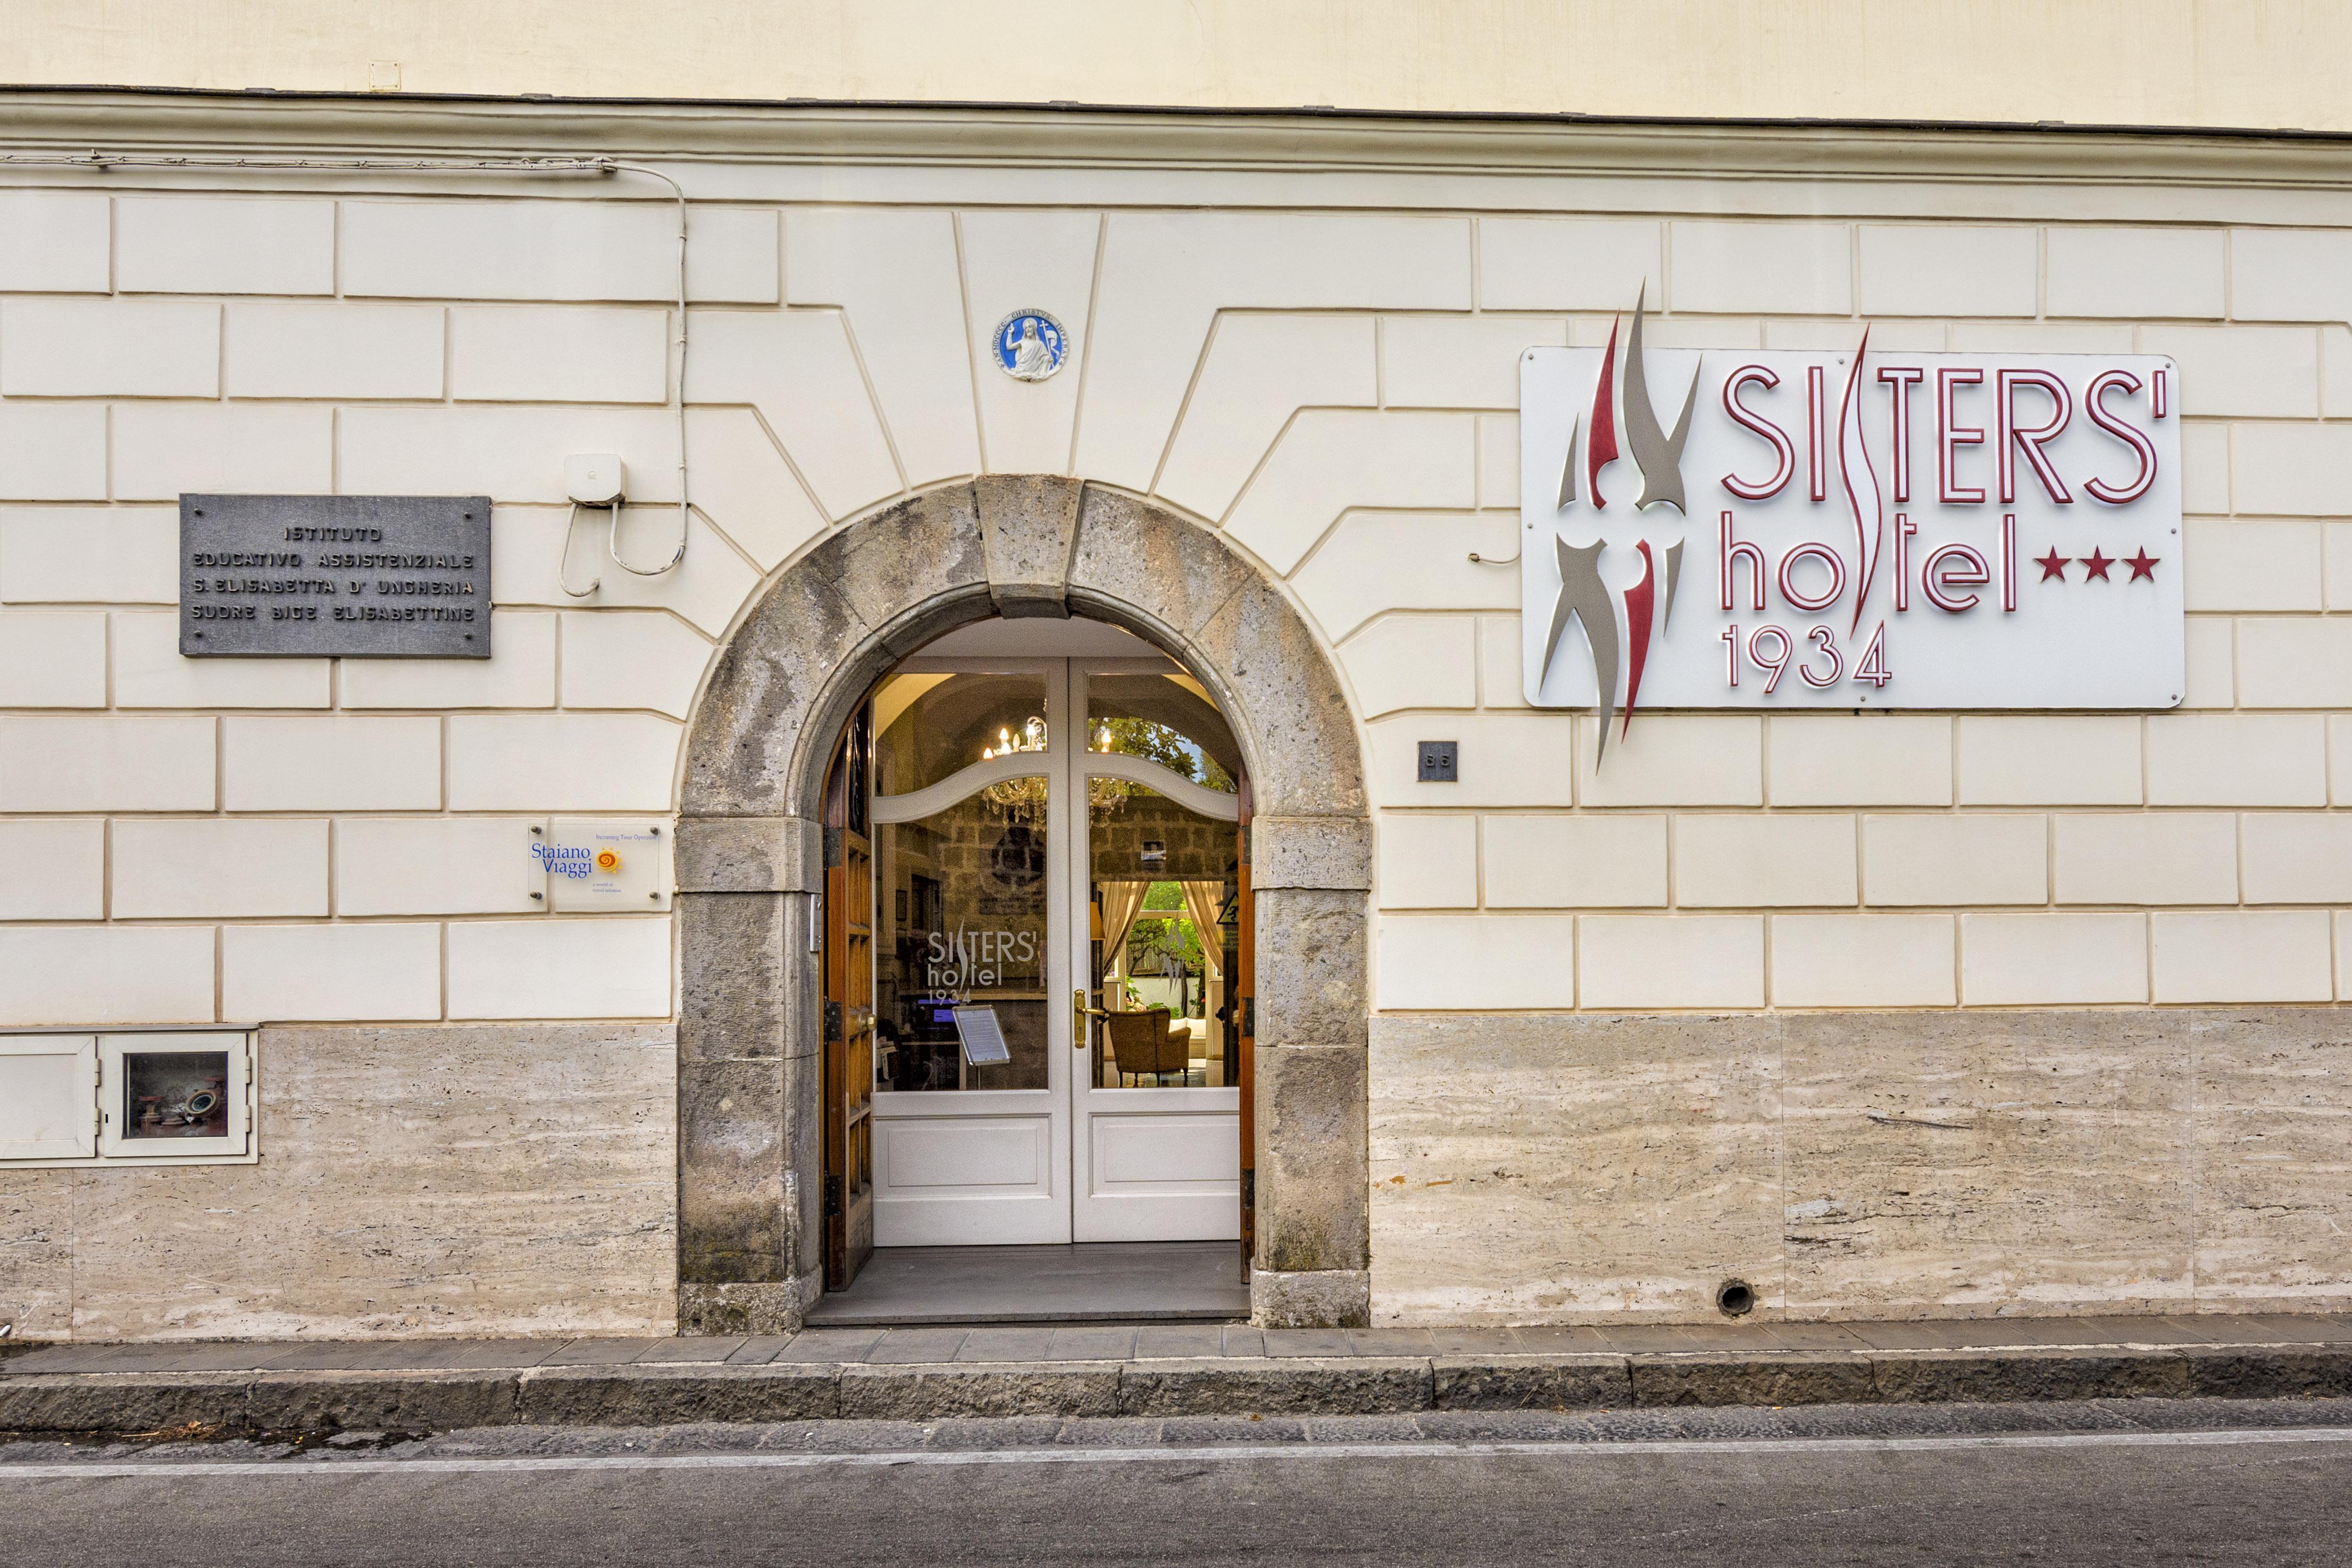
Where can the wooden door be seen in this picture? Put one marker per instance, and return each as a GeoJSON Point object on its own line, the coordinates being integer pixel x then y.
{"type": "Point", "coordinates": [848, 1012]}
{"type": "Point", "coordinates": [1245, 1005]}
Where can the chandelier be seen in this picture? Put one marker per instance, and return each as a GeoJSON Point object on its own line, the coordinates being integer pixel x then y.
{"type": "Point", "coordinates": [1024, 798]}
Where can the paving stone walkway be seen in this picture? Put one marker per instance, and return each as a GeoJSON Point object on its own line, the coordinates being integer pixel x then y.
{"type": "Point", "coordinates": [1099, 1342]}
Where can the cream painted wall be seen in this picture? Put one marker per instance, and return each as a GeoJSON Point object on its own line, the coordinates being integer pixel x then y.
{"type": "Point", "coordinates": [2260, 63]}
{"type": "Point", "coordinates": [1318, 363]}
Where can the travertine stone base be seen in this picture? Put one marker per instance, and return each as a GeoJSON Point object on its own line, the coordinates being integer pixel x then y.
{"type": "Point", "coordinates": [486, 1180]}
{"type": "Point", "coordinates": [1572, 1168]}
{"type": "Point", "coordinates": [1940, 1163]}
{"type": "Point", "coordinates": [36, 1253]}
{"type": "Point", "coordinates": [1549, 1168]}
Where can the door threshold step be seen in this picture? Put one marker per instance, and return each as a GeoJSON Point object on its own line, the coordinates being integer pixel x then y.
{"type": "Point", "coordinates": [1082, 1282]}
{"type": "Point", "coordinates": [825, 1316]}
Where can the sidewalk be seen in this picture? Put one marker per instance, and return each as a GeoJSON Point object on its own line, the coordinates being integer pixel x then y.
{"type": "Point", "coordinates": [934, 1373]}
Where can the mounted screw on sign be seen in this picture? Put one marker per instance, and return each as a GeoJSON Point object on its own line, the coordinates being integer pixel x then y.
{"type": "Point", "coordinates": [1852, 530]}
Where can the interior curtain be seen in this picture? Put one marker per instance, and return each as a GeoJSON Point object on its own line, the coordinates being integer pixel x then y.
{"type": "Point", "coordinates": [1200, 902]}
{"type": "Point", "coordinates": [1121, 902]}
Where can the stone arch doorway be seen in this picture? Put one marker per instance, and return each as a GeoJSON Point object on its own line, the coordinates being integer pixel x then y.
{"type": "Point", "coordinates": [750, 862]}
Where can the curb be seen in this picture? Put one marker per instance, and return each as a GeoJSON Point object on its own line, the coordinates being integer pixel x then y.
{"type": "Point", "coordinates": [1276, 1385]}
{"type": "Point", "coordinates": [286, 1402]}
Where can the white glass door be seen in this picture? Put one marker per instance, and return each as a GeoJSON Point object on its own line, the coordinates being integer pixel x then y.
{"type": "Point", "coordinates": [972, 1114]}
{"type": "Point", "coordinates": [1154, 887]}
{"type": "Point", "coordinates": [1055, 896]}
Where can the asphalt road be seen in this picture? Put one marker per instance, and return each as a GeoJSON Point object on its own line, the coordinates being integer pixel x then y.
{"type": "Point", "coordinates": [2089, 1485]}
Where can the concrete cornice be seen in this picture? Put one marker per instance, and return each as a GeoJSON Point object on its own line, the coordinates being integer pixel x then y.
{"type": "Point", "coordinates": [1298, 141]}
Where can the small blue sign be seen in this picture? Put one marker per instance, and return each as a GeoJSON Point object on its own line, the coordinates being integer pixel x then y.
{"type": "Point", "coordinates": [1031, 345]}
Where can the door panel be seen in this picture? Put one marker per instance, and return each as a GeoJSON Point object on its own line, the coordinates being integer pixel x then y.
{"type": "Point", "coordinates": [967, 1179]}
{"type": "Point", "coordinates": [1166, 1154]}
{"type": "Point", "coordinates": [48, 1096]}
{"type": "Point", "coordinates": [1015, 1152]}
{"type": "Point", "coordinates": [1165, 1176]}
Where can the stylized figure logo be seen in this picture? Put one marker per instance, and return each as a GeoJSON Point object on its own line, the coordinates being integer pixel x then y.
{"type": "Point", "coordinates": [1649, 602]}
{"type": "Point", "coordinates": [1619, 623]}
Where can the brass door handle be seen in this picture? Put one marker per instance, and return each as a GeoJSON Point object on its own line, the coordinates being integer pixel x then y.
{"type": "Point", "coordinates": [1079, 1013]}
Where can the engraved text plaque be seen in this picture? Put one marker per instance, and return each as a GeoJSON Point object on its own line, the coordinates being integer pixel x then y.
{"type": "Point", "coordinates": [335, 577]}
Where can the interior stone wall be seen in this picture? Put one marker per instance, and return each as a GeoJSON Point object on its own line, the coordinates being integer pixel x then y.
{"type": "Point", "coordinates": [749, 862]}
{"type": "Point", "coordinates": [1197, 848]}
{"type": "Point", "coordinates": [482, 1180]}
{"type": "Point", "coordinates": [1559, 1168]}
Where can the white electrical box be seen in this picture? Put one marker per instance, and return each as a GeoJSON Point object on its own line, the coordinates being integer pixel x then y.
{"type": "Point", "coordinates": [136, 1097]}
{"type": "Point", "coordinates": [604, 864]}
{"type": "Point", "coordinates": [596, 479]}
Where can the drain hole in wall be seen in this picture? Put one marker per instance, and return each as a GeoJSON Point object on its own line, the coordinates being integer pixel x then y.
{"type": "Point", "coordinates": [1735, 1297]}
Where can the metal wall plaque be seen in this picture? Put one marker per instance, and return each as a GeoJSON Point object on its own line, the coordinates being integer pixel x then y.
{"type": "Point", "coordinates": [335, 577]}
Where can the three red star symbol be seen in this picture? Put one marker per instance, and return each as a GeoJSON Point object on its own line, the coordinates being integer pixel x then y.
{"type": "Point", "coordinates": [2095, 565]}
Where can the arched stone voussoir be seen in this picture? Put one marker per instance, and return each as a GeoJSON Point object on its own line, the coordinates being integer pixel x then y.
{"type": "Point", "coordinates": [835, 621]}
{"type": "Point", "coordinates": [1028, 527]}
{"type": "Point", "coordinates": [1236, 629]}
{"type": "Point", "coordinates": [1130, 552]}
{"type": "Point", "coordinates": [747, 727]}
{"type": "Point", "coordinates": [1306, 762]}
{"type": "Point", "coordinates": [909, 554]}
{"type": "Point", "coordinates": [744, 751]}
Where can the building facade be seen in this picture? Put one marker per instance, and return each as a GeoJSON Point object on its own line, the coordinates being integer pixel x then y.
{"type": "Point", "coordinates": [2022, 1001]}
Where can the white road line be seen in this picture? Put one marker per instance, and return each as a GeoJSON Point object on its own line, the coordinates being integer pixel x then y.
{"type": "Point", "coordinates": [324, 1464]}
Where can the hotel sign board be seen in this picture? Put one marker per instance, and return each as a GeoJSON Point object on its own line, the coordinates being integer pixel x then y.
{"type": "Point", "coordinates": [1868, 529]}
{"type": "Point", "coordinates": [335, 577]}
